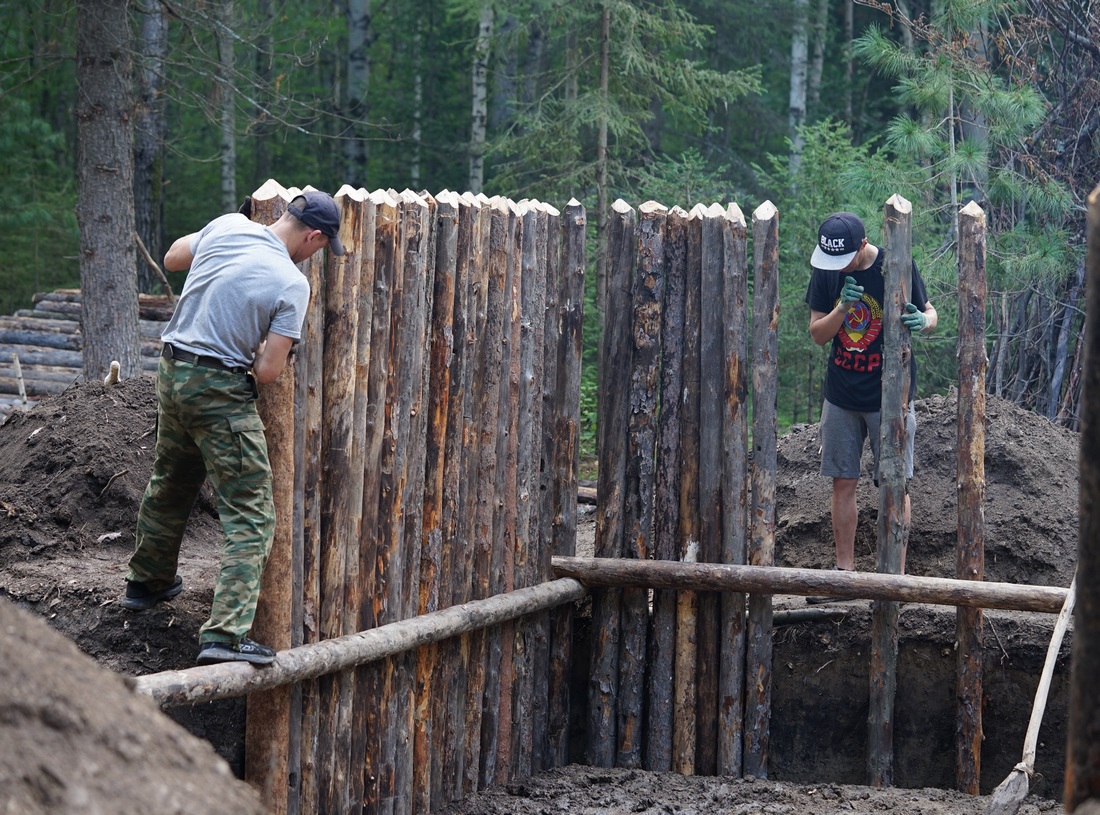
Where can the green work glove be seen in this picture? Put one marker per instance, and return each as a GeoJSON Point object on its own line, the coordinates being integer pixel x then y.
{"type": "Point", "coordinates": [914, 320]}
{"type": "Point", "coordinates": [851, 293]}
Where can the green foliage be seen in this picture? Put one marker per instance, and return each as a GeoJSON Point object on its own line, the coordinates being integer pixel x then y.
{"type": "Point", "coordinates": [38, 218]}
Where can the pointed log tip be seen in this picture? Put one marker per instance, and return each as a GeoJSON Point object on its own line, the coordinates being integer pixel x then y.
{"type": "Point", "coordinates": [350, 192]}
{"type": "Point", "coordinates": [271, 189]}
{"type": "Point", "coordinates": [972, 210]}
{"type": "Point", "coordinates": [679, 211]}
{"type": "Point", "coordinates": [622, 207]}
{"type": "Point", "coordinates": [735, 215]}
{"type": "Point", "coordinates": [698, 211]}
{"type": "Point", "coordinates": [899, 204]}
{"type": "Point", "coordinates": [765, 212]}
{"type": "Point", "coordinates": [653, 208]}
{"type": "Point", "coordinates": [573, 202]}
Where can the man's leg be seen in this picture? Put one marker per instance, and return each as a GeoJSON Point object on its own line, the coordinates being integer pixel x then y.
{"type": "Point", "coordinates": [845, 516]}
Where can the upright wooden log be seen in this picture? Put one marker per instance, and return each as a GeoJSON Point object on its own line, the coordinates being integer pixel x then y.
{"type": "Point", "coordinates": [735, 491]}
{"type": "Point", "coordinates": [360, 574]}
{"type": "Point", "coordinates": [970, 461]}
{"type": "Point", "coordinates": [447, 679]}
{"type": "Point", "coordinates": [712, 401]}
{"type": "Point", "coordinates": [496, 718]}
{"type": "Point", "coordinates": [308, 431]}
{"type": "Point", "coordinates": [1082, 756]}
{"type": "Point", "coordinates": [545, 479]}
{"type": "Point", "coordinates": [565, 463]}
{"type": "Point", "coordinates": [428, 751]}
{"type": "Point", "coordinates": [373, 558]}
{"type": "Point", "coordinates": [268, 722]}
{"type": "Point", "coordinates": [404, 503]}
{"type": "Point", "coordinates": [765, 373]}
{"type": "Point", "coordinates": [897, 268]}
{"type": "Point", "coordinates": [648, 290]}
{"type": "Point", "coordinates": [687, 626]}
{"type": "Point", "coordinates": [490, 366]}
{"type": "Point", "coordinates": [529, 694]}
{"type": "Point", "coordinates": [615, 362]}
{"type": "Point", "coordinates": [341, 496]}
{"type": "Point", "coordinates": [666, 501]}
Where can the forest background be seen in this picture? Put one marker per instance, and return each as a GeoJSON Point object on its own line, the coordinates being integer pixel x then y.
{"type": "Point", "coordinates": [815, 105]}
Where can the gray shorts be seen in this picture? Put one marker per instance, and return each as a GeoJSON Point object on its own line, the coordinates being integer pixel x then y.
{"type": "Point", "coordinates": [843, 433]}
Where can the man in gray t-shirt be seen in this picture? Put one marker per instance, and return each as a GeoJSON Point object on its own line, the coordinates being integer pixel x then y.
{"type": "Point", "coordinates": [242, 309]}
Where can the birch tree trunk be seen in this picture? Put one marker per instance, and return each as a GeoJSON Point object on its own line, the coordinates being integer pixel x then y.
{"type": "Point", "coordinates": [149, 131]}
{"type": "Point", "coordinates": [265, 75]}
{"type": "Point", "coordinates": [799, 70]}
{"type": "Point", "coordinates": [227, 66]}
{"type": "Point", "coordinates": [817, 66]}
{"type": "Point", "coordinates": [479, 112]}
{"type": "Point", "coordinates": [358, 66]}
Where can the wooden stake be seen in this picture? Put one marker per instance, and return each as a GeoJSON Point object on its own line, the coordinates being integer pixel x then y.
{"type": "Point", "coordinates": [970, 466]}
{"type": "Point", "coordinates": [1082, 764]}
{"type": "Point", "coordinates": [735, 480]}
{"type": "Point", "coordinates": [615, 361]}
{"type": "Point", "coordinates": [896, 356]}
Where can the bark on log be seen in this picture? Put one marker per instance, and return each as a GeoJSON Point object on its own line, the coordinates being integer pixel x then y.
{"type": "Point", "coordinates": [680, 576]}
{"type": "Point", "coordinates": [1082, 762]}
{"type": "Point", "coordinates": [970, 466]}
{"type": "Point", "coordinates": [648, 289]}
{"type": "Point", "coordinates": [666, 505]}
{"type": "Point", "coordinates": [270, 726]}
{"type": "Point", "coordinates": [735, 481]}
{"type": "Point", "coordinates": [341, 500]}
{"type": "Point", "coordinates": [369, 679]}
{"type": "Point", "coordinates": [615, 363]}
{"type": "Point", "coordinates": [228, 679]}
{"type": "Point", "coordinates": [428, 751]}
{"type": "Point", "coordinates": [892, 532]}
{"type": "Point", "coordinates": [765, 372]}
{"type": "Point", "coordinates": [565, 464]}
{"type": "Point", "coordinates": [687, 626]}
{"type": "Point", "coordinates": [711, 414]}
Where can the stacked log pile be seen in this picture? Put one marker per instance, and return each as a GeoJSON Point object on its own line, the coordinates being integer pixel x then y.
{"type": "Point", "coordinates": [40, 347]}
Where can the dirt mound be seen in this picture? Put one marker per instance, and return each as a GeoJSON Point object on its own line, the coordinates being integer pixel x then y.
{"type": "Point", "coordinates": [1031, 498]}
{"type": "Point", "coordinates": [74, 468]}
{"type": "Point", "coordinates": [77, 739]}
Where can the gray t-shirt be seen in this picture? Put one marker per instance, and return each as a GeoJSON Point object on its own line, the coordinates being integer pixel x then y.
{"type": "Point", "coordinates": [241, 286]}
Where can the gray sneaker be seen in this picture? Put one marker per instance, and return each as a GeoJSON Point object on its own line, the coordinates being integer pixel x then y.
{"type": "Point", "coordinates": [244, 651]}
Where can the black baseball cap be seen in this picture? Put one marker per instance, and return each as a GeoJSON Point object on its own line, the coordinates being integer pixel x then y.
{"type": "Point", "coordinates": [838, 240]}
{"type": "Point", "coordinates": [317, 210]}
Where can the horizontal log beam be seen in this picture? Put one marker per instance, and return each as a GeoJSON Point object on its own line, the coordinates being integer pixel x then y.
{"type": "Point", "coordinates": [663, 574]}
{"type": "Point", "coordinates": [221, 681]}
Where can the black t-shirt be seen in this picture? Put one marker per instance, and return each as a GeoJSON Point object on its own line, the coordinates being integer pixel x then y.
{"type": "Point", "coordinates": [853, 379]}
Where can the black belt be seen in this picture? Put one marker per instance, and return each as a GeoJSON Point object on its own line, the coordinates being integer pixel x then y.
{"type": "Point", "coordinates": [169, 351]}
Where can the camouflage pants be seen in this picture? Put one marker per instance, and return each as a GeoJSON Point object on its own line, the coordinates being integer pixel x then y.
{"type": "Point", "coordinates": [208, 427]}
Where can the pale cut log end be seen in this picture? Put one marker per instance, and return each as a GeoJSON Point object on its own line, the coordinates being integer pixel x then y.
{"type": "Point", "coordinates": [735, 215]}
{"type": "Point", "coordinates": [350, 192]}
{"type": "Point", "coordinates": [899, 204]}
{"type": "Point", "coordinates": [679, 212]}
{"type": "Point", "coordinates": [972, 210]}
{"type": "Point", "coordinates": [112, 375]}
{"type": "Point", "coordinates": [652, 208]}
{"type": "Point", "coordinates": [573, 202]}
{"type": "Point", "coordinates": [270, 189]}
{"type": "Point", "coordinates": [764, 212]}
{"type": "Point", "coordinates": [621, 206]}
{"type": "Point", "coordinates": [382, 198]}
{"type": "Point", "coordinates": [698, 211]}
{"type": "Point", "coordinates": [716, 210]}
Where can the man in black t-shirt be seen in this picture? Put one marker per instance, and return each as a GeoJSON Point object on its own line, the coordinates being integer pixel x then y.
{"type": "Point", "coordinates": [846, 298]}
